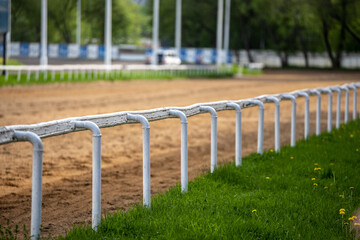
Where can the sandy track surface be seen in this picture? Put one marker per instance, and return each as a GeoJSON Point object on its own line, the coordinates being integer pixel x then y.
{"type": "Point", "coordinates": [67, 158]}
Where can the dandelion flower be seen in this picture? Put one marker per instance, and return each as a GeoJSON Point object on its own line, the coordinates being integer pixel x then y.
{"type": "Point", "coordinates": [253, 211]}
{"type": "Point", "coordinates": [351, 135]}
{"type": "Point", "coordinates": [351, 219]}
{"type": "Point", "coordinates": [315, 184]}
{"type": "Point", "coordinates": [346, 223]}
{"type": "Point", "coordinates": [341, 195]}
{"type": "Point", "coordinates": [313, 179]}
{"type": "Point", "coordinates": [317, 169]}
{"type": "Point", "coordinates": [291, 157]}
{"type": "Point", "coordinates": [357, 224]}
{"type": "Point", "coordinates": [342, 211]}
{"type": "Point", "coordinates": [271, 150]}
{"type": "Point", "coordinates": [316, 164]}
{"type": "Point", "coordinates": [326, 187]}
{"type": "Point", "coordinates": [267, 178]}
{"type": "Point", "coordinates": [351, 188]}
{"type": "Point", "coordinates": [357, 149]}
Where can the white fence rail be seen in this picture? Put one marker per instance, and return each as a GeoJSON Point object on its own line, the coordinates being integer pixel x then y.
{"type": "Point", "coordinates": [80, 71]}
{"type": "Point", "coordinates": [34, 132]}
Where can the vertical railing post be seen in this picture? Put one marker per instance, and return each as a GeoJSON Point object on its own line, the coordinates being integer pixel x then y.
{"type": "Point", "coordinates": [184, 148]}
{"type": "Point", "coordinates": [346, 115]}
{"type": "Point", "coordinates": [96, 174]}
{"type": "Point", "coordinates": [352, 87]}
{"type": "Point", "coordinates": [318, 111]}
{"type": "Point", "coordinates": [213, 135]}
{"type": "Point", "coordinates": [277, 121]}
{"type": "Point", "coordinates": [338, 105]}
{"type": "Point", "coordinates": [146, 156]}
{"type": "Point", "coordinates": [238, 144]}
{"type": "Point", "coordinates": [260, 124]}
{"type": "Point", "coordinates": [36, 192]}
{"type": "Point", "coordinates": [329, 122]}
{"type": "Point", "coordinates": [307, 113]}
{"type": "Point", "coordinates": [293, 117]}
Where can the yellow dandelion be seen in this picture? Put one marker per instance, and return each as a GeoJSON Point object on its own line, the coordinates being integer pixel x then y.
{"type": "Point", "coordinates": [357, 224]}
{"type": "Point", "coordinates": [341, 213]}
{"type": "Point", "coordinates": [351, 135]}
{"type": "Point", "coordinates": [313, 179]}
{"type": "Point", "coordinates": [351, 219]}
{"type": "Point", "coordinates": [253, 211]}
{"type": "Point", "coordinates": [317, 169]}
{"type": "Point", "coordinates": [315, 184]}
{"type": "Point", "coordinates": [271, 150]}
{"type": "Point", "coordinates": [341, 195]}
{"type": "Point", "coordinates": [351, 188]}
{"type": "Point", "coordinates": [291, 157]}
{"type": "Point", "coordinates": [325, 187]}
{"type": "Point", "coordinates": [346, 223]}
{"type": "Point", "coordinates": [316, 164]}
{"type": "Point", "coordinates": [354, 217]}
{"type": "Point", "coordinates": [267, 178]}
{"type": "Point", "coordinates": [357, 149]}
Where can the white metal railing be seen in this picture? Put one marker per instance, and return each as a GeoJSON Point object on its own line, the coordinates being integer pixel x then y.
{"type": "Point", "coordinates": [79, 71]}
{"type": "Point", "coordinates": [34, 132]}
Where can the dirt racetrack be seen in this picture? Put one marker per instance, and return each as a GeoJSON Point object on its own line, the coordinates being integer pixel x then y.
{"type": "Point", "coordinates": [67, 158]}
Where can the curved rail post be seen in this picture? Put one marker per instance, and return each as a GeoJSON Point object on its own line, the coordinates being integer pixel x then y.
{"type": "Point", "coordinates": [277, 121]}
{"type": "Point", "coordinates": [293, 117]}
{"type": "Point", "coordinates": [184, 148]}
{"type": "Point", "coordinates": [36, 192]}
{"type": "Point", "coordinates": [238, 145]}
{"type": "Point", "coordinates": [260, 124]}
{"type": "Point", "coordinates": [307, 124]}
{"type": "Point", "coordinates": [96, 172]}
{"type": "Point", "coordinates": [213, 135]}
{"type": "Point", "coordinates": [318, 111]}
{"type": "Point", "coordinates": [146, 156]}
{"type": "Point", "coordinates": [352, 87]}
{"type": "Point", "coordinates": [329, 122]}
{"type": "Point", "coordinates": [346, 116]}
{"type": "Point", "coordinates": [338, 105]}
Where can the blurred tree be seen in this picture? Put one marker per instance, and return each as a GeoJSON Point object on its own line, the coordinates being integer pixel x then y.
{"type": "Point", "coordinates": [128, 21]}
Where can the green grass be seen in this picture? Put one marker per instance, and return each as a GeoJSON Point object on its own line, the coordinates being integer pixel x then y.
{"type": "Point", "coordinates": [272, 196]}
{"type": "Point", "coordinates": [23, 79]}
{"type": "Point", "coordinates": [10, 62]}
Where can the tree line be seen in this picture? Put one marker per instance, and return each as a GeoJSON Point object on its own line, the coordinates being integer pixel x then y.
{"type": "Point", "coordinates": [285, 26]}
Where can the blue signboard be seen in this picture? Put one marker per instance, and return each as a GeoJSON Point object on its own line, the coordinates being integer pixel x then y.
{"type": "Point", "coordinates": [213, 56]}
{"type": "Point", "coordinates": [229, 57]}
{"type": "Point", "coordinates": [101, 52]}
{"type": "Point", "coordinates": [83, 51]}
{"type": "Point", "coordinates": [183, 54]}
{"type": "Point", "coordinates": [24, 49]}
{"type": "Point", "coordinates": [4, 16]}
{"type": "Point", "coordinates": [63, 50]}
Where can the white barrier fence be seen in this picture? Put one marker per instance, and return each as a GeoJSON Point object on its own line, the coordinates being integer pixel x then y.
{"type": "Point", "coordinates": [79, 71]}
{"type": "Point", "coordinates": [34, 132]}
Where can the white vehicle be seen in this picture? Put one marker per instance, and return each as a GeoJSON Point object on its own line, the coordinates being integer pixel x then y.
{"type": "Point", "coordinates": [167, 57]}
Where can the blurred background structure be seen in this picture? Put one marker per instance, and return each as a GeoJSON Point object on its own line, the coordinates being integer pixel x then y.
{"type": "Point", "coordinates": [279, 33]}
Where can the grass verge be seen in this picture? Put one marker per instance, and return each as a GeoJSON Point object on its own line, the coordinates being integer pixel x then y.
{"type": "Point", "coordinates": [46, 78]}
{"type": "Point", "coordinates": [311, 191]}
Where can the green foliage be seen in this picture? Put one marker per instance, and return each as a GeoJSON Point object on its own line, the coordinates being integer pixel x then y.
{"type": "Point", "coordinates": [298, 193]}
{"type": "Point", "coordinates": [128, 21]}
